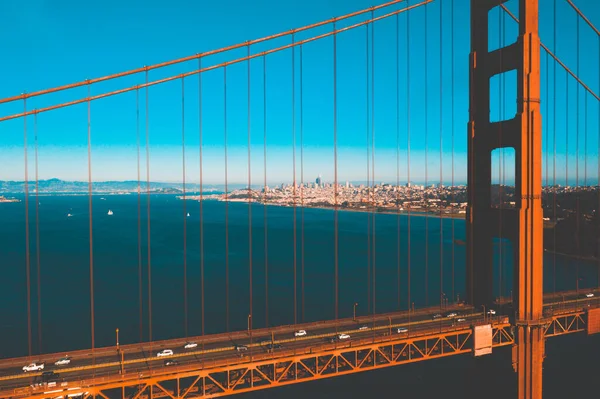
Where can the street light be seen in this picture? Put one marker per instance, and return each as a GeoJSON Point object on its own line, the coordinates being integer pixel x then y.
{"type": "Point", "coordinates": [117, 331]}
{"type": "Point", "coordinates": [249, 323]}
{"type": "Point", "coordinates": [354, 311]}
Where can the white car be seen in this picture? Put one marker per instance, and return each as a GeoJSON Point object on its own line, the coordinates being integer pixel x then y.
{"type": "Point", "coordinates": [461, 320]}
{"type": "Point", "coordinates": [33, 367]}
{"type": "Point", "coordinates": [590, 295]}
{"type": "Point", "coordinates": [343, 336]}
{"type": "Point", "coordinates": [452, 314]}
{"type": "Point", "coordinates": [491, 311]}
{"type": "Point", "coordinates": [361, 328]}
{"type": "Point", "coordinates": [300, 333]}
{"type": "Point", "coordinates": [402, 330]}
{"type": "Point", "coordinates": [164, 352]}
{"type": "Point", "coordinates": [63, 361]}
{"type": "Point", "coordinates": [190, 345]}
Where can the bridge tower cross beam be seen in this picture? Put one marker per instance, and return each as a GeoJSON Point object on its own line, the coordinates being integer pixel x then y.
{"type": "Point", "coordinates": [523, 226]}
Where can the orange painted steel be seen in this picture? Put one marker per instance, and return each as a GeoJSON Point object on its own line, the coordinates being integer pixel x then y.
{"type": "Point", "coordinates": [197, 56]}
{"type": "Point", "coordinates": [582, 15]}
{"type": "Point", "coordinates": [195, 72]}
{"type": "Point", "coordinates": [562, 64]}
{"type": "Point", "coordinates": [523, 225]}
{"type": "Point", "coordinates": [226, 376]}
{"type": "Point", "coordinates": [268, 370]}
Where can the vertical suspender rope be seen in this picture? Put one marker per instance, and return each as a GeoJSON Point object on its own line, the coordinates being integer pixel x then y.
{"type": "Point", "coordinates": [27, 260]}
{"type": "Point", "coordinates": [374, 210]}
{"type": "Point", "coordinates": [185, 296]}
{"type": "Point", "coordinates": [89, 149]}
{"type": "Point", "coordinates": [409, 191]}
{"type": "Point", "coordinates": [554, 157]}
{"type": "Point", "coordinates": [249, 202]}
{"type": "Point", "coordinates": [425, 196]}
{"type": "Point", "coordinates": [598, 174]}
{"type": "Point", "coordinates": [201, 199]}
{"type": "Point", "coordinates": [265, 191]}
{"type": "Point", "coordinates": [441, 163]}
{"type": "Point", "coordinates": [398, 159]}
{"type": "Point", "coordinates": [139, 216]}
{"type": "Point", "coordinates": [148, 215]}
{"type": "Point", "coordinates": [37, 239]}
{"type": "Point", "coordinates": [368, 188]}
{"type": "Point", "coordinates": [452, 121]}
{"type": "Point", "coordinates": [302, 187]}
{"type": "Point", "coordinates": [226, 200]}
{"type": "Point", "coordinates": [577, 191]}
{"type": "Point", "coordinates": [294, 183]}
{"type": "Point", "coordinates": [335, 174]}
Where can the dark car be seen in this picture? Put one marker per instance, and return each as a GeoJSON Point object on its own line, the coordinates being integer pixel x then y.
{"type": "Point", "coordinates": [274, 346]}
{"type": "Point", "coordinates": [49, 376]}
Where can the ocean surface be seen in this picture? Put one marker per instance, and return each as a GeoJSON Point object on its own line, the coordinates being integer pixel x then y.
{"type": "Point", "coordinates": [373, 270]}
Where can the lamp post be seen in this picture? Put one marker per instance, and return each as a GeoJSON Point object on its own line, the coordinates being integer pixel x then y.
{"type": "Point", "coordinates": [117, 331]}
{"type": "Point", "coordinates": [249, 323]}
{"type": "Point", "coordinates": [354, 311]}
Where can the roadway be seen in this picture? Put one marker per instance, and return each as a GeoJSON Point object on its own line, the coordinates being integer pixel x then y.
{"type": "Point", "coordinates": [141, 358]}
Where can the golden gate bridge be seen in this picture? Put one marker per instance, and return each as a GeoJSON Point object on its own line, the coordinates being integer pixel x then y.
{"type": "Point", "coordinates": [260, 357]}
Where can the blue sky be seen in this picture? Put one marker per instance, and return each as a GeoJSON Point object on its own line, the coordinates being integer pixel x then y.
{"type": "Point", "coordinates": [59, 42]}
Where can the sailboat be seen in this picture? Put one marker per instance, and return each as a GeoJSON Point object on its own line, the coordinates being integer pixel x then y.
{"type": "Point", "coordinates": [110, 212]}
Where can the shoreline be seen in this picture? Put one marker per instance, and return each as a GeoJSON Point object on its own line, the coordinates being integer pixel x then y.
{"type": "Point", "coordinates": [346, 209]}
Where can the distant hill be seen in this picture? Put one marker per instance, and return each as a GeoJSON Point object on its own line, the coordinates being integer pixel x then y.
{"type": "Point", "coordinates": [62, 186]}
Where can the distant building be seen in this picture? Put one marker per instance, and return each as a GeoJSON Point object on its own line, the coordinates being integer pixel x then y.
{"type": "Point", "coordinates": [319, 181]}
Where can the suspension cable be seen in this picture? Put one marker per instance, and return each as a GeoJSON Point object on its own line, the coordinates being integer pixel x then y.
{"type": "Point", "coordinates": [27, 260]}
{"type": "Point", "coordinates": [265, 191]}
{"type": "Point", "coordinates": [441, 163]}
{"type": "Point", "coordinates": [226, 200]}
{"type": "Point", "coordinates": [368, 187]}
{"type": "Point", "coordinates": [185, 295]}
{"type": "Point", "coordinates": [452, 121]}
{"type": "Point", "coordinates": [398, 157]}
{"type": "Point", "coordinates": [374, 207]}
{"type": "Point", "coordinates": [200, 55]}
{"type": "Point", "coordinates": [148, 217]}
{"type": "Point", "coordinates": [295, 242]}
{"type": "Point", "coordinates": [554, 158]}
{"type": "Point", "coordinates": [213, 67]}
{"type": "Point", "coordinates": [302, 186]}
{"type": "Point", "coordinates": [89, 142]}
{"type": "Point", "coordinates": [426, 66]}
{"type": "Point", "coordinates": [37, 238]}
{"type": "Point", "coordinates": [201, 199]}
{"type": "Point", "coordinates": [139, 215]}
{"type": "Point", "coordinates": [409, 191]}
{"type": "Point", "coordinates": [335, 175]}
{"type": "Point", "coordinates": [249, 204]}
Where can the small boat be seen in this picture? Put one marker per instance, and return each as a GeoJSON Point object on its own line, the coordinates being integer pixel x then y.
{"type": "Point", "coordinates": [110, 212]}
{"type": "Point", "coordinates": [69, 215]}
{"type": "Point", "coordinates": [188, 214]}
